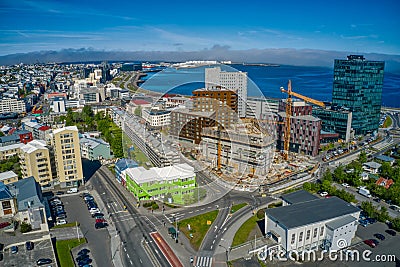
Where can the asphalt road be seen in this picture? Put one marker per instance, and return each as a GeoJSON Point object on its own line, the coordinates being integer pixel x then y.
{"type": "Point", "coordinates": [133, 227]}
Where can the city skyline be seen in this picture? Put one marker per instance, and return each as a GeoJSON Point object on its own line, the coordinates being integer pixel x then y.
{"type": "Point", "coordinates": [358, 26]}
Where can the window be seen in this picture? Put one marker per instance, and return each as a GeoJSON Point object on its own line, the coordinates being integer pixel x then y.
{"type": "Point", "coordinates": [315, 232]}
{"type": "Point", "coordinates": [308, 234]}
{"type": "Point", "coordinates": [301, 237]}
{"type": "Point", "coordinates": [322, 231]}
{"type": "Point", "coordinates": [293, 238]}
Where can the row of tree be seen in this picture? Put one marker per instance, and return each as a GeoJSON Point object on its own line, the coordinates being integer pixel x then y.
{"type": "Point", "coordinates": [381, 214]}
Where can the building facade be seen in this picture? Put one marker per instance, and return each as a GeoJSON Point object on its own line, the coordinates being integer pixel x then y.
{"type": "Point", "coordinates": [230, 80]}
{"type": "Point", "coordinates": [157, 118]}
{"type": "Point", "coordinates": [120, 166]}
{"type": "Point", "coordinates": [9, 151]}
{"type": "Point", "coordinates": [12, 105]}
{"type": "Point", "coordinates": [357, 86]}
{"type": "Point", "coordinates": [259, 105]}
{"type": "Point", "coordinates": [174, 184]}
{"type": "Point", "coordinates": [34, 159]}
{"type": "Point", "coordinates": [67, 155]}
{"type": "Point", "coordinates": [94, 149]}
{"type": "Point", "coordinates": [8, 177]}
{"type": "Point", "coordinates": [335, 121]}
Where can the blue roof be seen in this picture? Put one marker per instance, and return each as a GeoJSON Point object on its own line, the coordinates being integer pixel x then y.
{"type": "Point", "coordinates": [385, 158]}
{"type": "Point", "coordinates": [9, 138]}
{"type": "Point", "coordinates": [123, 164]}
{"type": "Point", "coordinates": [4, 192]}
{"type": "Point", "coordinates": [28, 192]}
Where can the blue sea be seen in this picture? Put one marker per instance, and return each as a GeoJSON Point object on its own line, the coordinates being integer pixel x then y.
{"type": "Point", "coordinates": [315, 82]}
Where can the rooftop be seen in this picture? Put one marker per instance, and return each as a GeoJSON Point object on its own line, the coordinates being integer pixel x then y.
{"type": "Point", "coordinates": [68, 128]}
{"type": "Point", "coordinates": [385, 158]}
{"type": "Point", "coordinates": [33, 146]}
{"type": "Point", "coordinates": [141, 175]}
{"type": "Point", "coordinates": [373, 165]}
{"type": "Point", "coordinates": [340, 222]}
{"type": "Point", "coordinates": [10, 147]}
{"type": "Point", "coordinates": [298, 197]}
{"type": "Point", "coordinates": [7, 175]}
{"type": "Point", "coordinates": [309, 212]}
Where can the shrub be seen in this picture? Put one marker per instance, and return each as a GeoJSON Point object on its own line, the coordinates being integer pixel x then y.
{"type": "Point", "coordinates": [25, 227]}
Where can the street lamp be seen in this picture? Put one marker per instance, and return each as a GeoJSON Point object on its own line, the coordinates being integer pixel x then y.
{"type": "Point", "coordinates": [226, 251]}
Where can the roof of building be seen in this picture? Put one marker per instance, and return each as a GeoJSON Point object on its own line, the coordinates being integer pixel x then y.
{"type": "Point", "coordinates": [373, 165]}
{"type": "Point", "coordinates": [141, 175]}
{"type": "Point", "coordinates": [33, 146]}
{"type": "Point", "coordinates": [10, 147]}
{"type": "Point", "coordinates": [384, 182]}
{"type": "Point", "coordinates": [28, 192]}
{"type": "Point", "coordinates": [10, 138]}
{"type": "Point", "coordinates": [44, 128]}
{"type": "Point", "coordinates": [4, 192]}
{"type": "Point", "coordinates": [140, 102]}
{"type": "Point", "coordinates": [385, 158]}
{"type": "Point", "coordinates": [300, 117]}
{"type": "Point", "coordinates": [123, 164]}
{"type": "Point", "coordinates": [298, 197]}
{"type": "Point", "coordinates": [92, 142]}
{"type": "Point", "coordinates": [335, 224]}
{"type": "Point", "coordinates": [309, 212]}
{"type": "Point", "coordinates": [69, 128]}
{"type": "Point", "coordinates": [7, 175]}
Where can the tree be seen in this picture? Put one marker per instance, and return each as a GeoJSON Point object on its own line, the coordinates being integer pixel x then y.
{"type": "Point", "coordinates": [307, 186]}
{"type": "Point", "coordinates": [362, 158]}
{"type": "Point", "coordinates": [386, 170]}
{"type": "Point", "coordinates": [368, 208]}
{"type": "Point", "coordinates": [327, 175]}
{"type": "Point", "coordinates": [383, 214]}
{"type": "Point", "coordinates": [339, 174]}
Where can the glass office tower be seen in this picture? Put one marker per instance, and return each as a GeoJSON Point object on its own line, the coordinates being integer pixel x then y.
{"type": "Point", "coordinates": [357, 87]}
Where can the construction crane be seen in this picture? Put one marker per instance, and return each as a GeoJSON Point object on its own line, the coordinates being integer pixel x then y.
{"type": "Point", "coordinates": [289, 105]}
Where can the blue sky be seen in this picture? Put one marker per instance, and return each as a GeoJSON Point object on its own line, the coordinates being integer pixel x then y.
{"type": "Point", "coordinates": [357, 26]}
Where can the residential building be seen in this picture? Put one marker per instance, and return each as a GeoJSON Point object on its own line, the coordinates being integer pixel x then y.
{"type": "Point", "coordinates": [90, 95]}
{"type": "Point", "coordinates": [9, 151]}
{"type": "Point", "coordinates": [230, 80]}
{"type": "Point", "coordinates": [357, 86]}
{"type": "Point", "coordinates": [34, 159]}
{"type": "Point", "coordinates": [174, 184]}
{"type": "Point", "coordinates": [187, 125]}
{"type": "Point", "coordinates": [8, 105]}
{"type": "Point", "coordinates": [219, 100]}
{"type": "Point", "coordinates": [372, 167]}
{"type": "Point", "coordinates": [335, 121]}
{"type": "Point", "coordinates": [312, 224]}
{"type": "Point", "coordinates": [259, 105]}
{"type": "Point", "coordinates": [8, 177]}
{"type": "Point", "coordinates": [67, 155]}
{"type": "Point", "coordinates": [30, 207]}
{"type": "Point", "coordinates": [387, 183]}
{"type": "Point", "coordinates": [94, 149]}
{"type": "Point", "coordinates": [385, 158]}
{"type": "Point", "coordinates": [8, 203]}
{"type": "Point", "coordinates": [58, 105]}
{"type": "Point", "coordinates": [120, 166]}
{"type": "Point", "coordinates": [244, 149]}
{"type": "Point", "coordinates": [156, 118]}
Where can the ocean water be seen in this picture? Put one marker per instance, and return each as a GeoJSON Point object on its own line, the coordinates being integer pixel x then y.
{"type": "Point", "coordinates": [315, 82]}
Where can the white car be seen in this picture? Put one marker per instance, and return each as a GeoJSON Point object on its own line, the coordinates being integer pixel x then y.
{"type": "Point", "coordinates": [345, 184]}
{"type": "Point", "coordinates": [323, 194]}
{"type": "Point", "coordinates": [94, 210]}
{"type": "Point", "coordinates": [61, 222]}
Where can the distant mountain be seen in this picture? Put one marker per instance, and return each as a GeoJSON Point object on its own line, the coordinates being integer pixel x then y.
{"type": "Point", "coordinates": [302, 57]}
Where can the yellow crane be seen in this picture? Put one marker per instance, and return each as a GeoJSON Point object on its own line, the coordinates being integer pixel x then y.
{"type": "Point", "coordinates": [289, 104]}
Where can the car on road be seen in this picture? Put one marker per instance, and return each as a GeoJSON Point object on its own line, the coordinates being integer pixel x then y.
{"type": "Point", "coordinates": [191, 259]}
{"type": "Point", "coordinates": [370, 243]}
{"type": "Point", "coordinates": [61, 222]}
{"type": "Point", "coordinates": [83, 251]}
{"type": "Point", "coordinates": [100, 225]}
{"type": "Point", "coordinates": [391, 232]}
{"type": "Point", "coordinates": [14, 249]}
{"type": "Point", "coordinates": [345, 185]}
{"type": "Point", "coordinates": [29, 245]}
{"type": "Point", "coordinates": [59, 193]}
{"type": "Point", "coordinates": [43, 261]}
{"type": "Point", "coordinates": [377, 199]}
{"type": "Point", "coordinates": [379, 236]}
{"type": "Point", "coordinates": [323, 194]}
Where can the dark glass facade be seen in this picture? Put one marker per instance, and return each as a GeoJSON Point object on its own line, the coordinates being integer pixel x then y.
{"type": "Point", "coordinates": [357, 86]}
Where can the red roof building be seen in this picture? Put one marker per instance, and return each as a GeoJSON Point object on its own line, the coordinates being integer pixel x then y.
{"type": "Point", "coordinates": [384, 182]}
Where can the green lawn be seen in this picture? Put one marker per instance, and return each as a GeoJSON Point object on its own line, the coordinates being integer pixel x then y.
{"type": "Point", "coordinates": [198, 227]}
{"type": "Point", "coordinates": [139, 157]}
{"type": "Point", "coordinates": [72, 224]}
{"type": "Point", "coordinates": [243, 233]}
{"type": "Point", "coordinates": [64, 250]}
{"type": "Point", "coordinates": [388, 122]}
{"type": "Point", "coordinates": [237, 207]}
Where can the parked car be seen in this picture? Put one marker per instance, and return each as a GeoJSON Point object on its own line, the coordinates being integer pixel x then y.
{"type": "Point", "coordinates": [100, 225]}
{"type": "Point", "coordinates": [4, 224]}
{"type": "Point", "coordinates": [61, 216]}
{"type": "Point", "coordinates": [14, 249]}
{"type": "Point", "coordinates": [82, 257]}
{"type": "Point", "coordinates": [98, 214]}
{"type": "Point", "coordinates": [83, 251]}
{"type": "Point", "coordinates": [29, 245]}
{"type": "Point", "coordinates": [1, 256]}
{"type": "Point", "coordinates": [376, 242]}
{"type": "Point", "coordinates": [370, 243]}
{"type": "Point", "coordinates": [363, 223]}
{"type": "Point", "coordinates": [84, 262]}
{"type": "Point", "coordinates": [100, 220]}
{"type": "Point", "coordinates": [391, 232]}
{"type": "Point", "coordinates": [61, 222]}
{"type": "Point", "coordinates": [44, 261]}
{"type": "Point", "coordinates": [1, 247]}
{"type": "Point", "coordinates": [59, 193]}
{"type": "Point", "coordinates": [94, 210]}
{"type": "Point", "coordinates": [323, 194]}
{"type": "Point", "coordinates": [371, 220]}
{"type": "Point", "coordinates": [72, 190]}
{"type": "Point", "coordinates": [379, 236]}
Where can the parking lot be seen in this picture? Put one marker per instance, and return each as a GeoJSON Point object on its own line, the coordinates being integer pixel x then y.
{"type": "Point", "coordinates": [98, 239]}
{"type": "Point", "coordinates": [41, 249]}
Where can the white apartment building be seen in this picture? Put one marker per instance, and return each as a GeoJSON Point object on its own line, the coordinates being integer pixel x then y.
{"type": "Point", "coordinates": [157, 118]}
{"type": "Point", "coordinates": [305, 224]}
{"type": "Point", "coordinates": [259, 105]}
{"type": "Point", "coordinates": [12, 105]}
{"type": "Point", "coordinates": [234, 81]}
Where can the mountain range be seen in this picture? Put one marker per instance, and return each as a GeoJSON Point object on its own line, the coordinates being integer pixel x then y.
{"type": "Point", "coordinates": [286, 56]}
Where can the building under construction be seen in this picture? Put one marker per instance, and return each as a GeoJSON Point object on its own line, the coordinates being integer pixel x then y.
{"type": "Point", "coordinates": [242, 149]}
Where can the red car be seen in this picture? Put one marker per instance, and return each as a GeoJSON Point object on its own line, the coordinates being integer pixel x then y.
{"type": "Point", "coordinates": [4, 224]}
{"type": "Point", "coordinates": [370, 243]}
{"type": "Point", "coordinates": [100, 220]}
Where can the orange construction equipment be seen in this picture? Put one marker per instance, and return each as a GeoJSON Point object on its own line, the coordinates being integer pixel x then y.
{"type": "Point", "coordinates": [305, 98]}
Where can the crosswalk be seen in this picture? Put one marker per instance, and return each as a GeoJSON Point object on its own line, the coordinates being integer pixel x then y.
{"type": "Point", "coordinates": [203, 261]}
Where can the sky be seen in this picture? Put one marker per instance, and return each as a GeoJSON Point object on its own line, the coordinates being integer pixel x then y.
{"type": "Point", "coordinates": [351, 25]}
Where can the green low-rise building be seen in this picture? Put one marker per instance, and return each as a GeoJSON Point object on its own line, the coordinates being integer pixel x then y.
{"type": "Point", "coordinates": [174, 184]}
